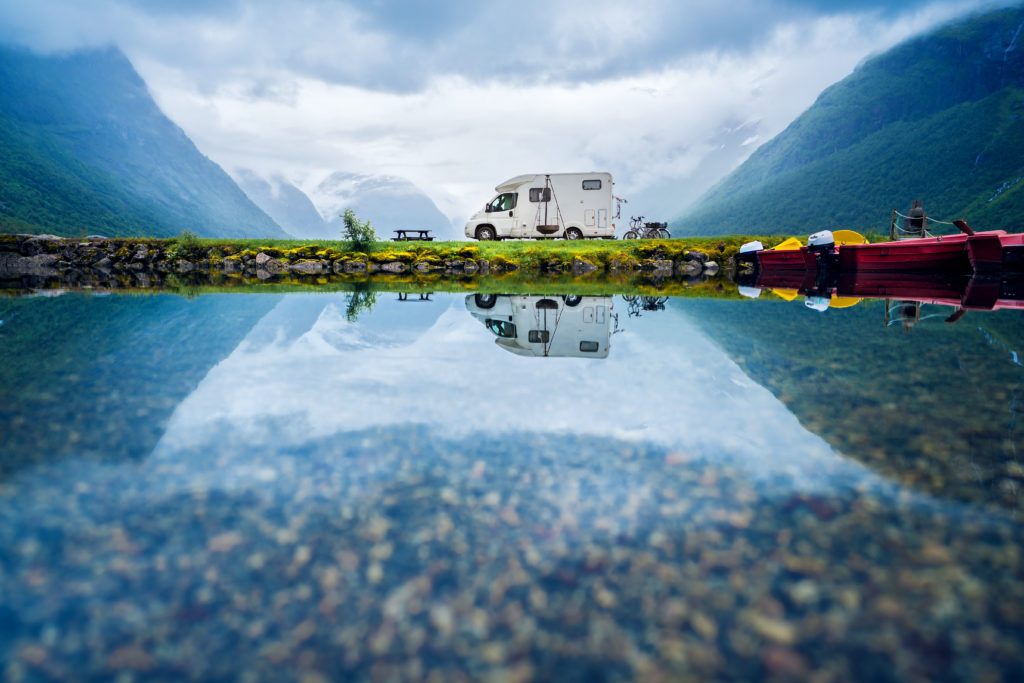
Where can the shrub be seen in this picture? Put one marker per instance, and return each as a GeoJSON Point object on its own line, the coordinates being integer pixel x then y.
{"type": "Point", "coordinates": [359, 234]}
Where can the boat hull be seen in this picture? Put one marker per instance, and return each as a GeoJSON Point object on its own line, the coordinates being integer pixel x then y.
{"type": "Point", "coordinates": [947, 253]}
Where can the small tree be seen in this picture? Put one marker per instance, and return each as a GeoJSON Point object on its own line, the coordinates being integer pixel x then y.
{"type": "Point", "coordinates": [358, 234]}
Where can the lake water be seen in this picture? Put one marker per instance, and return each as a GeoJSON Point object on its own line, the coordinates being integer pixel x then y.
{"type": "Point", "coordinates": [450, 486]}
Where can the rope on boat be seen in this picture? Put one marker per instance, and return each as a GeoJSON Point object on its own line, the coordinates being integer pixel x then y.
{"type": "Point", "coordinates": [917, 218]}
{"type": "Point", "coordinates": [914, 232]}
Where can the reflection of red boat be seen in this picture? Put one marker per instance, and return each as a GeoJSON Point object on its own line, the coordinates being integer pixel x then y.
{"type": "Point", "coordinates": [971, 293]}
{"type": "Point", "coordinates": [958, 291]}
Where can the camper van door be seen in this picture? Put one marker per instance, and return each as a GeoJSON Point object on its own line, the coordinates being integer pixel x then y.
{"type": "Point", "coordinates": [501, 212]}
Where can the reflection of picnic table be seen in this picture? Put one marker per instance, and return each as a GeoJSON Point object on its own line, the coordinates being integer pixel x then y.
{"type": "Point", "coordinates": [406, 235]}
{"type": "Point", "coordinates": [424, 296]}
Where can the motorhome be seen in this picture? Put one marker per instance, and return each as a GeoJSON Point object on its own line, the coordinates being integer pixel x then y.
{"type": "Point", "coordinates": [546, 326]}
{"type": "Point", "coordinates": [547, 205]}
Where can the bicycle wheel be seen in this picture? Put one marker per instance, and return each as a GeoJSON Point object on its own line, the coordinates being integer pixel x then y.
{"type": "Point", "coordinates": [665, 234]}
{"type": "Point", "coordinates": [630, 235]}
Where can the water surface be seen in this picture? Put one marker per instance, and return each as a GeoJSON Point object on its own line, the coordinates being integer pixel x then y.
{"type": "Point", "coordinates": [340, 485]}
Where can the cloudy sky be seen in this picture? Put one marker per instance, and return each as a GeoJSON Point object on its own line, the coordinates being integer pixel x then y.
{"type": "Point", "coordinates": [457, 95]}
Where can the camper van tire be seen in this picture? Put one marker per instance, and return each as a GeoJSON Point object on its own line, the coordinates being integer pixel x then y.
{"type": "Point", "coordinates": [572, 299]}
{"type": "Point", "coordinates": [485, 300]}
{"type": "Point", "coordinates": [486, 232]}
{"type": "Point", "coordinates": [573, 234]}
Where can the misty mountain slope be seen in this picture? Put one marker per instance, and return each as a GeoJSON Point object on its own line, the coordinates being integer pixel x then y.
{"type": "Point", "coordinates": [289, 206]}
{"type": "Point", "coordinates": [938, 118]}
{"type": "Point", "coordinates": [388, 202]}
{"type": "Point", "coordinates": [84, 148]}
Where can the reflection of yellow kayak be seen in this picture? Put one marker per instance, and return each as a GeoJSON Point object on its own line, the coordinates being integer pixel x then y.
{"type": "Point", "coordinates": [843, 301]}
{"type": "Point", "coordinates": [787, 294]}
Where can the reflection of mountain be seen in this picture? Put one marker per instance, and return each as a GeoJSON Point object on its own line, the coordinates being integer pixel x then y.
{"type": "Point", "coordinates": [546, 326]}
{"type": "Point", "coordinates": [936, 408]}
{"type": "Point", "coordinates": [306, 373]}
{"type": "Point", "coordinates": [99, 376]}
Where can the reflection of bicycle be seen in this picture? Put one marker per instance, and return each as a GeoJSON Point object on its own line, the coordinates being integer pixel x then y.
{"type": "Point", "coordinates": [636, 304]}
{"type": "Point", "coordinates": [638, 229]}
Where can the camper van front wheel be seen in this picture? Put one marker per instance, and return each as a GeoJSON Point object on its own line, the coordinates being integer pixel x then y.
{"type": "Point", "coordinates": [573, 234]}
{"type": "Point", "coordinates": [485, 300]}
{"type": "Point", "coordinates": [486, 232]}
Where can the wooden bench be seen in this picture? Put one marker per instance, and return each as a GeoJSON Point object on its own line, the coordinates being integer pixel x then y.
{"type": "Point", "coordinates": [406, 235]}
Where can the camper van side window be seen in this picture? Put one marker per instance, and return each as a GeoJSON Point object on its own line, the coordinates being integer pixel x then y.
{"type": "Point", "coordinates": [591, 184]}
{"type": "Point", "coordinates": [540, 194]}
{"type": "Point", "coordinates": [539, 336]}
{"type": "Point", "coordinates": [505, 201]}
{"type": "Point", "coordinates": [589, 346]}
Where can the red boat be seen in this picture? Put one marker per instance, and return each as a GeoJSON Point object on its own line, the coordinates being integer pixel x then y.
{"type": "Point", "coordinates": [989, 252]}
{"type": "Point", "coordinates": [947, 253]}
{"type": "Point", "coordinates": [994, 250]}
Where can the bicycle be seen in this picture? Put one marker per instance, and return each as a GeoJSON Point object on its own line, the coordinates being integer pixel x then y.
{"type": "Point", "coordinates": [638, 229]}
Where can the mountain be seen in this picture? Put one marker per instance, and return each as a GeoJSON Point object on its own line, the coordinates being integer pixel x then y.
{"type": "Point", "coordinates": [85, 149]}
{"type": "Point", "coordinates": [939, 118]}
{"type": "Point", "coordinates": [388, 202]}
{"type": "Point", "coordinates": [289, 206]}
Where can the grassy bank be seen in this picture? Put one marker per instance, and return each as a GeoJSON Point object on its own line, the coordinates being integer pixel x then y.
{"type": "Point", "coordinates": [526, 254]}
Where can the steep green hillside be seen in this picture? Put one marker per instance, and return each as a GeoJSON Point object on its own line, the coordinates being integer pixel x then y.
{"type": "Point", "coordinates": [84, 149]}
{"type": "Point", "coordinates": [938, 118]}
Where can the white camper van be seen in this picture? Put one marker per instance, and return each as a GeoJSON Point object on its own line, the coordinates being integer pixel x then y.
{"type": "Point", "coordinates": [569, 205]}
{"type": "Point", "coordinates": [546, 326]}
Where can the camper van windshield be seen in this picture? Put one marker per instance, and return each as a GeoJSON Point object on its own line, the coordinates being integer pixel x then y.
{"type": "Point", "coordinates": [501, 328]}
{"type": "Point", "coordinates": [503, 202]}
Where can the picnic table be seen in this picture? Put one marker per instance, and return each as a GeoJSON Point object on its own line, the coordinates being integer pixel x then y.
{"type": "Point", "coordinates": [405, 235]}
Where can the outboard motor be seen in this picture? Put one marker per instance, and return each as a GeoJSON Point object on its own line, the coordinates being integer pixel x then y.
{"type": "Point", "coordinates": [821, 241]}
{"type": "Point", "coordinates": [746, 263]}
{"type": "Point", "coordinates": [817, 303]}
{"type": "Point", "coordinates": [823, 245]}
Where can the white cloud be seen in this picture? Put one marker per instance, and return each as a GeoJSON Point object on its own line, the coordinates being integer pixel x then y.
{"type": "Point", "coordinates": [666, 96]}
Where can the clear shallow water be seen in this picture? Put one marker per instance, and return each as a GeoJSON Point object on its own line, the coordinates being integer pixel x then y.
{"type": "Point", "coordinates": [256, 485]}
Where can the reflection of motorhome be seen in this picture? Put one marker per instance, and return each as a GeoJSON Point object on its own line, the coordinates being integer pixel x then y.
{"type": "Point", "coordinates": [570, 205]}
{"type": "Point", "coordinates": [530, 325]}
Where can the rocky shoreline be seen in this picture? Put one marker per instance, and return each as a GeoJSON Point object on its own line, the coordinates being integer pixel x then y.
{"type": "Point", "coordinates": [148, 261]}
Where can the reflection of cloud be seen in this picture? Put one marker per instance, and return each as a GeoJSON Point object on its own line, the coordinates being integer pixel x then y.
{"type": "Point", "coordinates": [668, 385]}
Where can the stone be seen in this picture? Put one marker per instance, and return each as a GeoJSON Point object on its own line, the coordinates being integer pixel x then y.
{"type": "Point", "coordinates": [353, 266]}
{"type": "Point", "coordinates": [307, 267]}
{"type": "Point", "coordinates": [689, 268]}
{"type": "Point", "coordinates": [230, 265]}
{"type": "Point", "coordinates": [261, 258]}
{"type": "Point", "coordinates": [711, 267]}
{"type": "Point", "coordinates": [40, 265]}
{"type": "Point", "coordinates": [697, 256]}
{"type": "Point", "coordinates": [580, 267]}
{"type": "Point", "coordinates": [183, 266]}
{"type": "Point", "coordinates": [394, 267]}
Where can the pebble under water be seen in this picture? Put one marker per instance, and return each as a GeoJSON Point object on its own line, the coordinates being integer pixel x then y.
{"type": "Point", "coordinates": [323, 487]}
